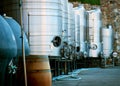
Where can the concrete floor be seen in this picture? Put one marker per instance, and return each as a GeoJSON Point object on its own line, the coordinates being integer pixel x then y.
{"type": "Point", "coordinates": [94, 77]}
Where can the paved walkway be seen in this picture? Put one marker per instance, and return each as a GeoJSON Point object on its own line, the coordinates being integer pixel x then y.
{"type": "Point", "coordinates": [93, 77]}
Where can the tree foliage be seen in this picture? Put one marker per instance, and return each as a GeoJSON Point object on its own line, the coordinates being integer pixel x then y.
{"type": "Point", "coordinates": [93, 2]}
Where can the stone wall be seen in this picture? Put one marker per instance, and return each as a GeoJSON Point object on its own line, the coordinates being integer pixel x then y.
{"type": "Point", "coordinates": [87, 6]}
{"type": "Point", "coordinates": [111, 12]}
{"type": "Point", "coordinates": [111, 15]}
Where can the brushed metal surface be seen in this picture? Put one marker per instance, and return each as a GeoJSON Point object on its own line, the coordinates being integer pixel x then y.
{"type": "Point", "coordinates": [77, 27]}
{"type": "Point", "coordinates": [94, 34]}
{"type": "Point", "coordinates": [42, 22]}
{"type": "Point", "coordinates": [71, 25]}
{"type": "Point", "coordinates": [83, 29]}
{"type": "Point", "coordinates": [65, 20]}
{"type": "Point", "coordinates": [107, 36]}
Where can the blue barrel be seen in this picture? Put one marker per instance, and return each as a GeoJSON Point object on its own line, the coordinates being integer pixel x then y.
{"type": "Point", "coordinates": [17, 32]}
{"type": "Point", "coordinates": [18, 78]}
{"type": "Point", "coordinates": [8, 47]}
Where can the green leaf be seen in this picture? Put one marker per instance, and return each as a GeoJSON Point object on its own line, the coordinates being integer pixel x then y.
{"type": "Point", "coordinates": [92, 2]}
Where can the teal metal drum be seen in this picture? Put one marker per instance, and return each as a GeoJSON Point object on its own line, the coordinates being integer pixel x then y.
{"type": "Point", "coordinates": [8, 47]}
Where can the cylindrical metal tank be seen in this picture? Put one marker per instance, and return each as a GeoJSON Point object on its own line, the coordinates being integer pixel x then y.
{"type": "Point", "coordinates": [43, 20]}
{"type": "Point", "coordinates": [71, 25]}
{"type": "Point", "coordinates": [77, 33]}
{"type": "Point", "coordinates": [64, 50]}
{"type": "Point", "coordinates": [107, 38]}
{"type": "Point", "coordinates": [83, 30]}
{"type": "Point", "coordinates": [65, 20]}
{"type": "Point", "coordinates": [94, 32]}
{"type": "Point", "coordinates": [77, 28]}
{"type": "Point", "coordinates": [71, 30]}
{"type": "Point", "coordinates": [17, 32]}
{"type": "Point", "coordinates": [8, 47]}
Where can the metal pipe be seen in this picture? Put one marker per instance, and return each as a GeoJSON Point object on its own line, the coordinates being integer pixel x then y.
{"type": "Point", "coordinates": [23, 50]}
{"type": "Point", "coordinates": [28, 34]}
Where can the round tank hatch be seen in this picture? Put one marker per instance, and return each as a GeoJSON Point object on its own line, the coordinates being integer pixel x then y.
{"type": "Point", "coordinates": [56, 41]}
{"type": "Point", "coordinates": [114, 54]}
{"type": "Point", "coordinates": [93, 46]}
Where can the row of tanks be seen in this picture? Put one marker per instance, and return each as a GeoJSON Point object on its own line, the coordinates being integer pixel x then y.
{"type": "Point", "coordinates": [56, 29]}
{"type": "Point", "coordinates": [61, 28]}
{"type": "Point", "coordinates": [86, 35]}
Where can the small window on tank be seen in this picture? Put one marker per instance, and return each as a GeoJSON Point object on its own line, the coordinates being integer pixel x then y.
{"type": "Point", "coordinates": [94, 46]}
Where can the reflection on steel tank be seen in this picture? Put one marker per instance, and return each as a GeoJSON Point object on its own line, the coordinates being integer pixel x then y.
{"type": "Point", "coordinates": [71, 30]}
{"type": "Point", "coordinates": [64, 50]}
{"type": "Point", "coordinates": [71, 25]}
{"type": "Point", "coordinates": [65, 20]}
{"type": "Point", "coordinates": [83, 30]}
{"type": "Point", "coordinates": [77, 27]}
{"type": "Point", "coordinates": [42, 21]}
{"type": "Point", "coordinates": [94, 27]}
{"type": "Point", "coordinates": [8, 47]}
{"type": "Point", "coordinates": [77, 31]}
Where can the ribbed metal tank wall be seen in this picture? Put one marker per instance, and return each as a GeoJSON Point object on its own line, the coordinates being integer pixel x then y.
{"type": "Point", "coordinates": [77, 28]}
{"type": "Point", "coordinates": [94, 34]}
{"type": "Point", "coordinates": [107, 38]}
{"type": "Point", "coordinates": [17, 33]}
{"type": "Point", "coordinates": [43, 22]}
{"type": "Point", "coordinates": [64, 50]}
{"type": "Point", "coordinates": [71, 31]}
{"type": "Point", "coordinates": [65, 20]}
{"type": "Point", "coordinates": [8, 47]}
{"type": "Point", "coordinates": [71, 25]}
{"type": "Point", "coordinates": [83, 30]}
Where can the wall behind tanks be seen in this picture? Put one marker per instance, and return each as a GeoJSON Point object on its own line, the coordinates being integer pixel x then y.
{"type": "Point", "coordinates": [86, 5]}
{"type": "Point", "coordinates": [111, 15]}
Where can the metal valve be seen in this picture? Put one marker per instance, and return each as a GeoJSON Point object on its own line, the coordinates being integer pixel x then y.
{"type": "Point", "coordinates": [12, 68]}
